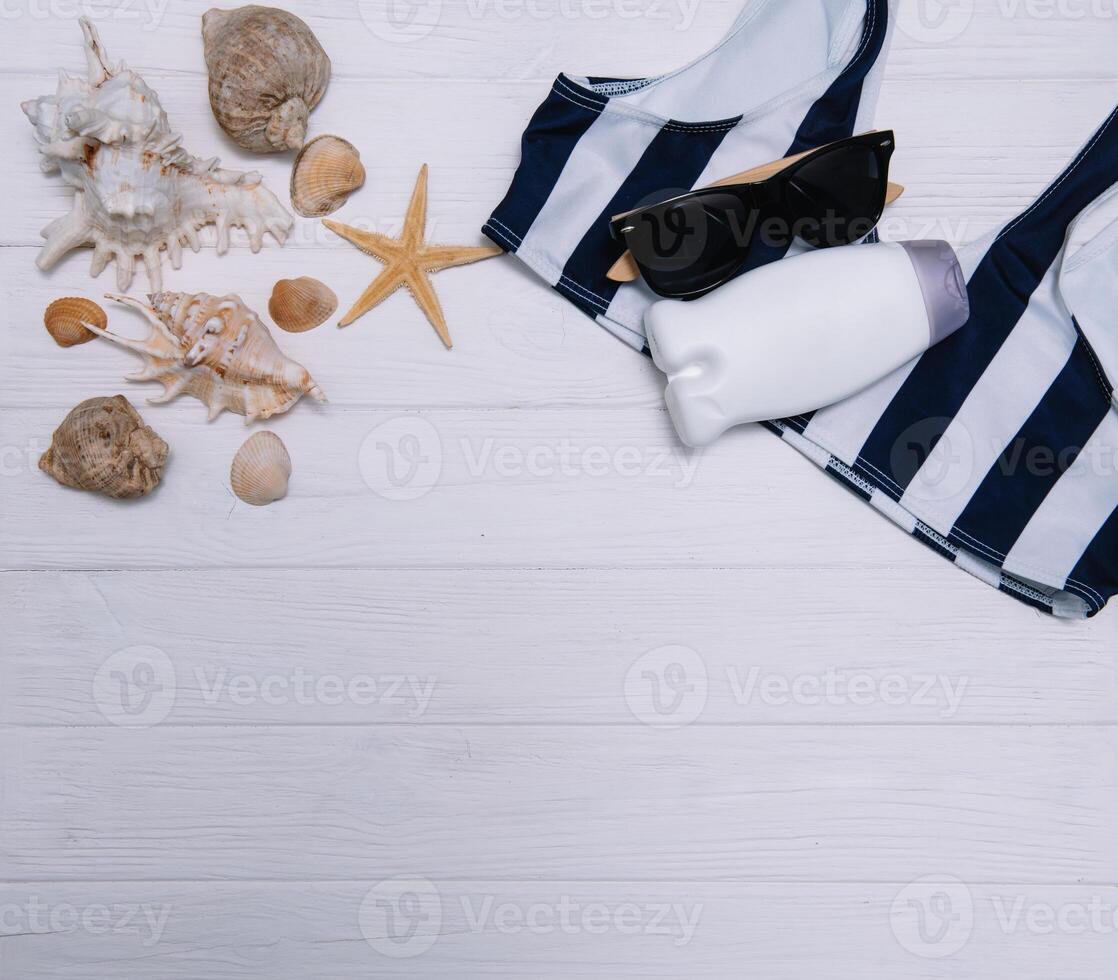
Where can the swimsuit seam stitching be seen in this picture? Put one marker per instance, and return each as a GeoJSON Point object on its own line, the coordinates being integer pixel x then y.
{"type": "Point", "coordinates": [977, 543]}
{"type": "Point", "coordinates": [1076, 163]}
{"type": "Point", "coordinates": [565, 279]}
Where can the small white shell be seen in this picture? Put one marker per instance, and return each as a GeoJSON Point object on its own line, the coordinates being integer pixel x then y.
{"type": "Point", "coordinates": [327, 170]}
{"type": "Point", "coordinates": [301, 304]}
{"type": "Point", "coordinates": [261, 469]}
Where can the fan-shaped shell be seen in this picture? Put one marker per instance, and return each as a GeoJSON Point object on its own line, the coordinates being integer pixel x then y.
{"type": "Point", "coordinates": [103, 445]}
{"type": "Point", "coordinates": [301, 304]}
{"type": "Point", "coordinates": [261, 469]}
{"type": "Point", "coordinates": [266, 71]}
{"type": "Point", "coordinates": [326, 171]}
{"type": "Point", "coordinates": [64, 318]}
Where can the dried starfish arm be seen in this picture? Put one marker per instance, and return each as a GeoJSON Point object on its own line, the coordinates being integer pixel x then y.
{"type": "Point", "coordinates": [371, 242]}
{"type": "Point", "coordinates": [428, 300]}
{"type": "Point", "coordinates": [436, 257]}
{"type": "Point", "coordinates": [378, 291]}
{"type": "Point", "coordinates": [415, 220]}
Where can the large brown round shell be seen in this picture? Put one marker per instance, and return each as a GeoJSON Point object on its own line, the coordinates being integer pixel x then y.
{"type": "Point", "coordinates": [326, 171]}
{"type": "Point", "coordinates": [267, 71]}
{"type": "Point", "coordinates": [103, 445]}
{"type": "Point", "coordinates": [64, 318]}
{"type": "Point", "coordinates": [301, 304]}
{"type": "Point", "coordinates": [261, 469]}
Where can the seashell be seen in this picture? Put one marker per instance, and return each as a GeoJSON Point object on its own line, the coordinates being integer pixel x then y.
{"type": "Point", "coordinates": [64, 318]}
{"type": "Point", "coordinates": [217, 350]}
{"type": "Point", "coordinates": [138, 193]}
{"type": "Point", "coordinates": [103, 445]}
{"type": "Point", "coordinates": [261, 469]}
{"type": "Point", "coordinates": [301, 304]}
{"type": "Point", "coordinates": [326, 171]}
{"type": "Point", "coordinates": [267, 71]}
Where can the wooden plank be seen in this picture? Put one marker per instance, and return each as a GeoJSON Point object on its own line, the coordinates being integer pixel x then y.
{"type": "Point", "coordinates": [538, 489]}
{"type": "Point", "coordinates": [1031, 804]}
{"type": "Point", "coordinates": [514, 648]}
{"type": "Point", "coordinates": [971, 154]}
{"type": "Point", "coordinates": [452, 39]}
{"type": "Point", "coordinates": [552, 929]}
{"type": "Point", "coordinates": [529, 348]}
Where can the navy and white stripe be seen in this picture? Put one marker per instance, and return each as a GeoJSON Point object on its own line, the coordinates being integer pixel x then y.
{"type": "Point", "coordinates": [998, 448]}
{"type": "Point", "coordinates": [789, 76]}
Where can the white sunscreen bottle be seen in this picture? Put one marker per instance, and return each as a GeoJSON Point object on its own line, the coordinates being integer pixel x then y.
{"type": "Point", "coordinates": [802, 333]}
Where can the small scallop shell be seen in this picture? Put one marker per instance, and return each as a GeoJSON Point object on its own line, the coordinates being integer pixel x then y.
{"type": "Point", "coordinates": [260, 469]}
{"type": "Point", "coordinates": [327, 170]}
{"type": "Point", "coordinates": [301, 304]}
{"type": "Point", "coordinates": [64, 318]}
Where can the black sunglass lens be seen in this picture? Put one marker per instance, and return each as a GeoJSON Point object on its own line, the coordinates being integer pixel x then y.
{"type": "Point", "coordinates": [689, 245]}
{"type": "Point", "coordinates": [837, 198]}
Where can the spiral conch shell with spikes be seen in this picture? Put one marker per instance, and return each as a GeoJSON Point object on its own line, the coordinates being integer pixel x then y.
{"type": "Point", "coordinates": [216, 349]}
{"type": "Point", "coordinates": [137, 192]}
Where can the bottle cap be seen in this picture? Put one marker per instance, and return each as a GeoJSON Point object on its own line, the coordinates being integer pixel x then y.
{"type": "Point", "coordinates": [943, 285]}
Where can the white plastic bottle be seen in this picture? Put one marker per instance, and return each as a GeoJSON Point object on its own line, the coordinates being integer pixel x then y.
{"type": "Point", "coordinates": [802, 333]}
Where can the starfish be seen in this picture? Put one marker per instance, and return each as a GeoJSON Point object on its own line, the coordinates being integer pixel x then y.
{"type": "Point", "coordinates": [408, 260]}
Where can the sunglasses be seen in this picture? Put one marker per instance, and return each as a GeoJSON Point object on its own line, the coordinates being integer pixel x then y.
{"type": "Point", "coordinates": [691, 244]}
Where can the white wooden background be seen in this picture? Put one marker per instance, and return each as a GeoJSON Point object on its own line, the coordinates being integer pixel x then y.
{"type": "Point", "coordinates": [474, 753]}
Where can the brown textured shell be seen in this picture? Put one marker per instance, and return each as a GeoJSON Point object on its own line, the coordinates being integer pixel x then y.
{"type": "Point", "coordinates": [104, 446]}
{"type": "Point", "coordinates": [267, 71]}
{"type": "Point", "coordinates": [301, 304]}
{"type": "Point", "coordinates": [64, 318]}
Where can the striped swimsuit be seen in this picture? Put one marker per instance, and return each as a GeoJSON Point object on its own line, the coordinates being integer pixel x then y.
{"type": "Point", "coordinates": [596, 147]}
{"type": "Point", "coordinates": [999, 447]}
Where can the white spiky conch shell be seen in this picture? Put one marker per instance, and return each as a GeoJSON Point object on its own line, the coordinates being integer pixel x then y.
{"type": "Point", "coordinates": [137, 192]}
{"type": "Point", "coordinates": [217, 350]}
{"type": "Point", "coordinates": [261, 469]}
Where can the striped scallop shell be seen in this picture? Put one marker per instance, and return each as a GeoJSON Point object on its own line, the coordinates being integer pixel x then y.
{"type": "Point", "coordinates": [326, 171]}
{"type": "Point", "coordinates": [261, 469]}
{"type": "Point", "coordinates": [301, 304]}
{"type": "Point", "coordinates": [64, 318]}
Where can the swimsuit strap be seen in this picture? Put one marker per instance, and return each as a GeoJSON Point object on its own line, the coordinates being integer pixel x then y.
{"type": "Point", "coordinates": [835, 113]}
